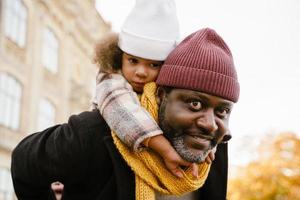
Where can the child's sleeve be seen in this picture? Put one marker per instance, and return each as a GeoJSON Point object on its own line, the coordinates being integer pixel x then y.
{"type": "Point", "coordinates": [122, 111]}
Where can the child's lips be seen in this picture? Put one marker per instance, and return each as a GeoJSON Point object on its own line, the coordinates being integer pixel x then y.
{"type": "Point", "coordinates": [138, 84]}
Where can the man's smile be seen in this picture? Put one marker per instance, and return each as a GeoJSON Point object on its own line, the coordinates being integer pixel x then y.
{"type": "Point", "coordinates": [202, 136]}
{"type": "Point", "coordinates": [198, 142]}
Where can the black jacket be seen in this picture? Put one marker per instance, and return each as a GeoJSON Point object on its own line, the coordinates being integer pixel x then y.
{"type": "Point", "coordinates": [82, 156]}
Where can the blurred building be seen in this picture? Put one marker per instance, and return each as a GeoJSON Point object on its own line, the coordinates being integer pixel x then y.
{"type": "Point", "coordinates": [46, 73]}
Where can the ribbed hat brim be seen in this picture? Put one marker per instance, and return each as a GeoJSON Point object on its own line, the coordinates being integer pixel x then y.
{"type": "Point", "coordinates": [200, 80]}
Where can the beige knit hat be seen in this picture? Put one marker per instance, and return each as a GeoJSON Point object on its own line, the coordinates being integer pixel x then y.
{"type": "Point", "coordinates": [151, 30]}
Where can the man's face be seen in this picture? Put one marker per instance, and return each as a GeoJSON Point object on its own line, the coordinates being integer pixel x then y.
{"type": "Point", "coordinates": [194, 122]}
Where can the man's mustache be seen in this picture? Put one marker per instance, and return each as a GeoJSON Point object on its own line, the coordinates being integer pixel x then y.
{"type": "Point", "coordinates": [202, 133]}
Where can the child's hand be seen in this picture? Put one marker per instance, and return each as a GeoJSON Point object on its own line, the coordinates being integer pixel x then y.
{"type": "Point", "coordinates": [211, 156]}
{"type": "Point", "coordinates": [171, 158]}
{"type": "Point", "coordinates": [173, 162]}
{"type": "Point", "coordinates": [58, 189]}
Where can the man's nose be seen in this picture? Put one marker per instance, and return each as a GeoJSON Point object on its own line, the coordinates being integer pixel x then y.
{"type": "Point", "coordinates": [207, 121]}
{"type": "Point", "coordinates": [141, 71]}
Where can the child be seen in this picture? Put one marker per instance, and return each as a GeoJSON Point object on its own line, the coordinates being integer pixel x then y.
{"type": "Point", "coordinates": [126, 63]}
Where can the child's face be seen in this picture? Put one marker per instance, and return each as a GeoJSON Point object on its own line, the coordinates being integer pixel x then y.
{"type": "Point", "coordinates": [139, 71]}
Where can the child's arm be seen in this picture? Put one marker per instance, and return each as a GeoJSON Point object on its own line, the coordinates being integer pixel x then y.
{"type": "Point", "coordinates": [121, 109]}
{"type": "Point", "coordinates": [171, 158]}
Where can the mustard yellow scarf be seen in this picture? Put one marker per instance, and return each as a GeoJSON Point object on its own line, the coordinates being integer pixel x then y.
{"type": "Point", "coordinates": [150, 172]}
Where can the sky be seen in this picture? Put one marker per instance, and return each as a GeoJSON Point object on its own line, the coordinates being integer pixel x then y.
{"type": "Point", "coordinates": [264, 37]}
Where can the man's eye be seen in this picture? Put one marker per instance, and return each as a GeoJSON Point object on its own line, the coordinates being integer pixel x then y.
{"type": "Point", "coordinates": [223, 112]}
{"type": "Point", "coordinates": [195, 105]}
{"type": "Point", "coordinates": [133, 60]}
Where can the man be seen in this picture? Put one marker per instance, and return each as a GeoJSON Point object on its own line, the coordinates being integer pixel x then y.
{"type": "Point", "coordinates": [197, 89]}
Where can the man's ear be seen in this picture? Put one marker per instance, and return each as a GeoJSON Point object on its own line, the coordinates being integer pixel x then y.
{"type": "Point", "coordinates": [160, 95]}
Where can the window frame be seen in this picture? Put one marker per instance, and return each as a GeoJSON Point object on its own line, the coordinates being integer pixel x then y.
{"type": "Point", "coordinates": [15, 21]}
{"type": "Point", "coordinates": [6, 185]}
{"type": "Point", "coordinates": [50, 50]}
{"type": "Point", "coordinates": [10, 101]}
{"type": "Point", "coordinates": [46, 119]}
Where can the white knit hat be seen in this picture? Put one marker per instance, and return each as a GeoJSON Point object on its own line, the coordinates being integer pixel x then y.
{"type": "Point", "coordinates": [151, 30]}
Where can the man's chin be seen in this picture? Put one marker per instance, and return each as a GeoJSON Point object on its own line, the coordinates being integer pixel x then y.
{"type": "Point", "coordinates": [193, 157]}
{"type": "Point", "coordinates": [189, 154]}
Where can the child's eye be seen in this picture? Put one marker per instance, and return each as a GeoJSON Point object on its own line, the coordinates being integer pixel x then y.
{"type": "Point", "coordinates": [195, 105]}
{"type": "Point", "coordinates": [133, 60]}
{"type": "Point", "coordinates": [155, 65]}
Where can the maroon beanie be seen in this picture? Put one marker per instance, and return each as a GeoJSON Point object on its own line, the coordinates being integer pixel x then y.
{"type": "Point", "coordinates": [202, 62]}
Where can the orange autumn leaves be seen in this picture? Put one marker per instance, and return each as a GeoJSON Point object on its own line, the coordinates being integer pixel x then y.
{"type": "Point", "coordinates": [275, 174]}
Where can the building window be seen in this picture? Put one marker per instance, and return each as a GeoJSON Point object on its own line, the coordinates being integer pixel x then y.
{"type": "Point", "coordinates": [15, 21]}
{"type": "Point", "coordinates": [6, 186]}
{"type": "Point", "coordinates": [50, 51]}
{"type": "Point", "coordinates": [46, 114]}
{"type": "Point", "coordinates": [0, 13]}
{"type": "Point", "coordinates": [10, 101]}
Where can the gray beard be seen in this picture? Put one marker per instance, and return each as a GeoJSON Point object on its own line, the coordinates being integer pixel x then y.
{"type": "Point", "coordinates": [176, 138]}
{"type": "Point", "coordinates": [187, 154]}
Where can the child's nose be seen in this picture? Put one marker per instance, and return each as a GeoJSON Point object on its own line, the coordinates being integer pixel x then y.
{"type": "Point", "coordinates": [141, 71]}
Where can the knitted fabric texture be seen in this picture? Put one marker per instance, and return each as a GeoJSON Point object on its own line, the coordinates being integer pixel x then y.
{"type": "Point", "coordinates": [151, 30]}
{"type": "Point", "coordinates": [150, 172]}
{"type": "Point", "coordinates": [202, 62]}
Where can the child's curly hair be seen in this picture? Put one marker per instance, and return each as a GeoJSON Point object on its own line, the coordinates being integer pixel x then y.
{"type": "Point", "coordinates": [108, 55]}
